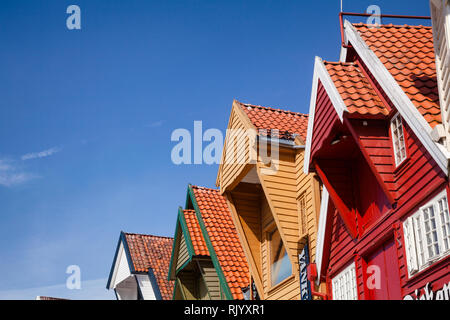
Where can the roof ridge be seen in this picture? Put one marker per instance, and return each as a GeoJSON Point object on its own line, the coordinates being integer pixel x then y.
{"type": "Point", "coordinates": [391, 25]}
{"type": "Point", "coordinates": [271, 109]}
{"type": "Point", "coordinates": [206, 188]}
{"type": "Point", "coordinates": [339, 63]}
{"type": "Point", "coordinates": [146, 235]}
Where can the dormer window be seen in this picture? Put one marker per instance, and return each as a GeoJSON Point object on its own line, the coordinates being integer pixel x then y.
{"type": "Point", "coordinates": [398, 139]}
{"type": "Point", "coordinates": [280, 265]}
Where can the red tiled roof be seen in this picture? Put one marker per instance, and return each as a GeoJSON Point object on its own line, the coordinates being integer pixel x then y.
{"type": "Point", "coordinates": [148, 251]}
{"type": "Point", "coordinates": [288, 123]}
{"type": "Point", "coordinates": [197, 239]}
{"type": "Point", "coordinates": [224, 238]}
{"type": "Point", "coordinates": [356, 91]}
{"type": "Point", "coordinates": [408, 53]}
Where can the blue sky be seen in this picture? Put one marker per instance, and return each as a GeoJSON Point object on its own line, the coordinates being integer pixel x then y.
{"type": "Point", "coordinates": [86, 116]}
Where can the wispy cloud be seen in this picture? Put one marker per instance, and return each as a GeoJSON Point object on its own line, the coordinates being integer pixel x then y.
{"type": "Point", "coordinates": [155, 124]}
{"type": "Point", "coordinates": [90, 290]}
{"type": "Point", "coordinates": [11, 175]}
{"type": "Point", "coordinates": [41, 154]}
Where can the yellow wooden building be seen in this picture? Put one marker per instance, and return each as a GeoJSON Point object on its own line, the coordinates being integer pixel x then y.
{"type": "Point", "coordinates": [275, 206]}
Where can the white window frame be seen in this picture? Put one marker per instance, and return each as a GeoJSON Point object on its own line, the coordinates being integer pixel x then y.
{"type": "Point", "coordinates": [397, 124]}
{"type": "Point", "coordinates": [423, 236]}
{"type": "Point", "coordinates": [343, 285]}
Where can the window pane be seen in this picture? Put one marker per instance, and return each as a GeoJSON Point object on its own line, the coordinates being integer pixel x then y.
{"type": "Point", "coordinates": [431, 232]}
{"type": "Point", "coordinates": [445, 223]}
{"type": "Point", "coordinates": [398, 140]}
{"type": "Point", "coordinates": [280, 265]}
{"type": "Point", "coordinates": [419, 239]}
{"type": "Point", "coordinates": [344, 284]}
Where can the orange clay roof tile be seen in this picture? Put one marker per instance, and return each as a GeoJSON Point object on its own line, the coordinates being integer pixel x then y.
{"type": "Point", "coordinates": [356, 91]}
{"type": "Point", "coordinates": [408, 54]}
{"type": "Point", "coordinates": [148, 251]}
{"type": "Point", "coordinates": [288, 123]}
{"type": "Point", "coordinates": [225, 240]}
{"type": "Point", "coordinates": [197, 239]}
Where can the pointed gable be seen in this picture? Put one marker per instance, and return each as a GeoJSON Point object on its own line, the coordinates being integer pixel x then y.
{"type": "Point", "coordinates": [145, 258]}
{"type": "Point", "coordinates": [188, 242]}
{"type": "Point", "coordinates": [221, 237]}
{"type": "Point", "coordinates": [152, 252]}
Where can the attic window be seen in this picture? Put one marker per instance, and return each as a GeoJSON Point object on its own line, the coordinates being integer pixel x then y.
{"type": "Point", "coordinates": [280, 265]}
{"type": "Point", "coordinates": [398, 139]}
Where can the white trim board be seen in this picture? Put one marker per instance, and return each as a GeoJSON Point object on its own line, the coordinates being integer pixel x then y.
{"type": "Point", "coordinates": [320, 242]}
{"type": "Point", "coordinates": [402, 103]}
{"type": "Point", "coordinates": [321, 73]}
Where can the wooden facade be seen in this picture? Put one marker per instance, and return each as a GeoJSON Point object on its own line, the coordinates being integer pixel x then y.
{"type": "Point", "coordinates": [263, 200]}
{"type": "Point", "coordinates": [374, 191]}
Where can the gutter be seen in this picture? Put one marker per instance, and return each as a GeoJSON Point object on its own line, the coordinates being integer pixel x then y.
{"type": "Point", "coordinates": [282, 142]}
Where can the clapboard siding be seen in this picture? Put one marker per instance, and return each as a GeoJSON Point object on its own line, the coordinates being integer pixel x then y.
{"type": "Point", "coordinates": [236, 153]}
{"type": "Point", "coordinates": [211, 279]}
{"type": "Point", "coordinates": [324, 118]}
{"type": "Point", "coordinates": [188, 286]}
{"type": "Point", "coordinates": [342, 245]}
{"type": "Point", "coordinates": [282, 191]}
{"type": "Point", "coordinates": [183, 254]}
{"type": "Point", "coordinates": [145, 287]}
{"type": "Point", "coordinates": [266, 223]}
{"type": "Point", "coordinates": [246, 201]}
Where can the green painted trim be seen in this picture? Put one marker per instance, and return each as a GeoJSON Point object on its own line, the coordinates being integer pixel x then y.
{"type": "Point", "coordinates": [181, 222]}
{"type": "Point", "coordinates": [188, 198]}
{"type": "Point", "coordinates": [184, 265]}
{"type": "Point", "coordinates": [174, 289]}
{"type": "Point", "coordinates": [187, 235]}
{"type": "Point", "coordinates": [212, 253]}
{"type": "Point", "coordinates": [172, 255]}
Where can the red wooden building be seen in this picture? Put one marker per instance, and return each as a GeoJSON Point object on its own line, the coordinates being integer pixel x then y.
{"type": "Point", "coordinates": [384, 225]}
